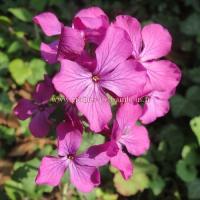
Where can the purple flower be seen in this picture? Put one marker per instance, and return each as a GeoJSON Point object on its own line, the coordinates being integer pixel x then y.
{"type": "Point", "coordinates": [37, 108]}
{"type": "Point", "coordinates": [127, 133]}
{"type": "Point", "coordinates": [113, 73]}
{"type": "Point", "coordinates": [84, 174]}
{"type": "Point", "coordinates": [89, 26]}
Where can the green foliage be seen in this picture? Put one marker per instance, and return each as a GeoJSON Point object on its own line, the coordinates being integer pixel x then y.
{"type": "Point", "coordinates": [195, 125]}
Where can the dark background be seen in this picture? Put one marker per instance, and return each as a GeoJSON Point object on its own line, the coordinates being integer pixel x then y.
{"type": "Point", "coordinates": [169, 171]}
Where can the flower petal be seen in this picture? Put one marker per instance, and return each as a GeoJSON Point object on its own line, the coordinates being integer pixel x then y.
{"type": "Point", "coordinates": [157, 42]}
{"type": "Point", "coordinates": [24, 109]}
{"type": "Point", "coordinates": [71, 43]}
{"type": "Point", "coordinates": [93, 22]}
{"type": "Point", "coordinates": [162, 75]}
{"type": "Point", "coordinates": [132, 26]}
{"type": "Point", "coordinates": [136, 140]}
{"type": "Point", "coordinates": [98, 155]}
{"type": "Point", "coordinates": [115, 48]}
{"type": "Point", "coordinates": [69, 138]}
{"type": "Point", "coordinates": [122, 162]}
{"type": "Point", "coordinates": [157, 106]}
{"type": "Point", "coordinates": [72, 79]}
{"type": "Point", "coordinates": [84, 178]}
{"type": "Point", "coordinates": [40, 124]}
{"type": "Point", "coordinates": [43, 91]}
{"type": "Point", "coordinates": [91, 102]}
{"type": "Point", "coordinates": [49, 52]}
{"type": "Point", "coordinates": [51, 171]}
{"type": "Point", "coordinates": [49, 23]}
{"type": "Point", "coordinates": [127, 79]}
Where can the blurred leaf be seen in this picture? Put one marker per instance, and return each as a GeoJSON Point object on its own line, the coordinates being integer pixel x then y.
{"type": "Point", "coordinates": [19, 71]}
{"type": "Point", "coordinates": [157, 185]}
{"type": "Point", "coordinates": [38, 4]}
{"type": "Point", "coordinates": [195, 126]}
{"type": "Point", "coordinates": [5, 20]}
{"type": "Point", "coordinates": [191, 25]}
{"type": "Point", "coordinates": [187, 172]}
{"type": "Point", "coordinates": [37, 67]}
{"type": "Point", "coordinates": [21, 13]}
{"type": "Point", "coordinates": [5, 104]}
{"type": "Point", "coordinates": [15, 46]}
{"type": "Point", "coordinates": [14, 190]}
{"type": "Point", "coordinates": [194, 189]}
{"type": "Point", "coordinates": [194, 74]}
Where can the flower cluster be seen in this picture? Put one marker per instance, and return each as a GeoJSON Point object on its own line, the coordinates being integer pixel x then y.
{"type": "Point", "coordinates": [98, 59]}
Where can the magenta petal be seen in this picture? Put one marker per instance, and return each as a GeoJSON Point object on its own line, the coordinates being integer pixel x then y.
{"type": "Point", "coordinates": [115, 48]}
{"type": "Point", "coordinates": [40, 124]}
{"type": "Point", "coordinates": [49, 23]}
{"type": "Point", "coordinates": [49, 52]}
{"type": "Point", "coordinates": [71, 43]}
{"type": "Point", "coordinates": [127, 79]}
{"type": "Point", "coordinates": [98, 155]}
{"type": "Point", "coordinates": [72, 79]}
{"type": "Point", "coordinates": [69, 138]}
{"type": "Point", "coordinates": [122, 162]}
{"type": "Point", "coordinates": [43, 91]}
{"type": "Point", "coordinates": [132, 26]}
{"type": "Point", "coordinates": [128, 114]}
{"type": "Point", "coordinates": [157, 42]}
{"type": "Point", "coordinates": [91, 103]}
{"type": "Point", "coordinates": [93, 22]}
{"type": "Point", "coordinates": [51, 171]}
{"type": "Point", "coordinates": [136, 140]}
{"type": "Point", "coordinates": [157, 106]}
{"type": "Point", "coordinates": [24, 109]}
{"type": "Point", "coordinates": [84, 177]}
{"type": "Point", "coordinates": [162, 75]}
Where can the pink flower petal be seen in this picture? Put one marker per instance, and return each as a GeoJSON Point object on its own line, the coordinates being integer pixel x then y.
{"type": "Point", "coordinates": [157, 106]}
{"type": "Point", "coordinates": [40, 124]}
{"type": "Point", "coordinates": [162, 75]}
{"type": "Point", "coordinates": [49, 52]}
{"type": "Point", "coordinates": [92, 101]}
{"type": "Point", "coordinates": [132, 26]}
{"type": "Point", "coordinates": [51, 171]}
{"type": "Point", "coordinates": [93, 22]}
{"type": "Point", "coordinates": [49, 23]}
{"type": "Point", "coordinates": [24, 109]}
{"type": "Point", "coordinates": [98, 155]}
{"type": "Point", "coordinates": [115, 48]}
{"type": "Point", "coordinates": [122, 162]}
{"type": "Point", "coordinates": [136, 140]}
{"type": "Point", "coordinates": [84, 177]}
{"type": "Point", "coordinates": [69, 138]}
{"type": "Point", "coordinates": [157, 42]}
{"type": "Point", "coordinates": [72, 79]}
{"type": "Point", "coordinates": [71, 43]}
{"type": "Point", "coordinates": [127, 79]}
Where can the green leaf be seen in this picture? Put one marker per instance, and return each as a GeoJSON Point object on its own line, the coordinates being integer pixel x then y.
{"type": "Point", "coordinates": [157, 185]}
{"type": "Point", "coordinates": [138, 182]}
{"type": "Point", "coordinates": [14, 190]}
{"type": "Point", "coordinates": [5, 20]}
{"type": "Point", "coordinates": [187, 172]}
{"type": "Point", "coordinates": [19, 70]}
{"type": "Point", "coordinates": [5, 104]}
{"type": "Point", "coordinates": [194, 189]}
{"type": "Point", "coordinates": [15, 46]}
{"type": "Point", "coordinates": [195, 126]}
{"type": "Point", "coordinates": [37, 67]}
{"type": "Point", "coordinates": [194, 74]}
{"type": "Point", "coordinates": [21, 13]}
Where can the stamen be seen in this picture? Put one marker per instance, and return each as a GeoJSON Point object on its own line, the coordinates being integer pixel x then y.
{"type": "Point", "coordinates": [95, 78]}
{"type": "Point", "coordinates": [70, 157]}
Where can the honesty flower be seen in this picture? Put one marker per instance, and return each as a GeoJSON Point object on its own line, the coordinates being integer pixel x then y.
{"type": "Point", "coordinates": [89, 25]}
{"type": "Point", "coordinates": [112, 72]}
{"type": "Point", "coordinates": [37, 108]}
{"type": "Point", "coordinates": [83, 170]}
{"type": "Point", "coordinates": [127, 133]}
{"type": "Point", "coordinates": [149, 44]}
